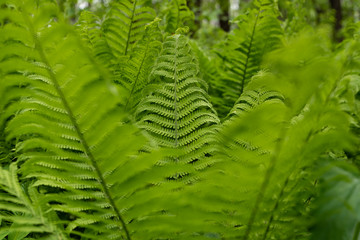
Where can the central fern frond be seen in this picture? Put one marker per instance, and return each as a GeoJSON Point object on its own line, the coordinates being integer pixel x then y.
{"type": "Point", "coordinates": [178, 114]}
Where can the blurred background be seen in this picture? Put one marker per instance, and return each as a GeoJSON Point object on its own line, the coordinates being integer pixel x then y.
{"type": "Point", "coordinates": [216, 17]}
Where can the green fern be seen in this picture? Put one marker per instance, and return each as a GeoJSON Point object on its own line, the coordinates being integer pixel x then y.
{"type": "Point", "coordinates": [241, 55]}
{"type": "Point", "coordinates": [25, 210]}
{"type": "Point", "coordinates": [177, 15]}
{"type": "Point", "coordinates": [109, 131]}
{"type": "Point", "coordinates": [178, 114]}
{"type": "Point", "coordinates": [137, 69]}
{"type": "Point", "coordinates": [66, 123]}
{"type": "Point", "coordinates": [263, 183]}
{"type": "Point", "coordinates": [124, 24]}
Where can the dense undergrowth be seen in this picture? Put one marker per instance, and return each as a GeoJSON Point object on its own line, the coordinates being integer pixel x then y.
{"type": "Point", "coordinates": [123, 127]}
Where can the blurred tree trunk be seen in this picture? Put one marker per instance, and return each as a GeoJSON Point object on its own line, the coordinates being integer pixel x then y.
{"type": "Point", "coordinates": [336, 6]}
{"type": "Point", "coordinates": [195, 6]}
{"type": "Point", "coordinates": [224, 15]}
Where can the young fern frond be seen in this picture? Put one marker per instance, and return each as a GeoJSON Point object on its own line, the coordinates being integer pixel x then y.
{"type": "Point", "coordinates": [301, 135]}
{"type": "Point", "coordinates": [178, 114]}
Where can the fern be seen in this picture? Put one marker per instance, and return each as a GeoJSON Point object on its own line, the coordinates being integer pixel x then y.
{"type": "Point", "coordinates": [177, 15]}
{"type": "Point", "coordinates": [108, 127]}
{"type": "Point", "coordinates": [90, 29]}
{"type": "Point", "coordinates": [138, 67]}
{"type": "Point", "coordinates": [264, 182]}
{"type": "Point", "coordinates": [124, 24]}
{"type": "Point", "coordinates": [257, 33]}
{"type": "Point", "coordinates": [25, 210]}
{"type": "Point", "coordinates": [178, 114]}
{"type": "Point", "coordinates": [62, 143]}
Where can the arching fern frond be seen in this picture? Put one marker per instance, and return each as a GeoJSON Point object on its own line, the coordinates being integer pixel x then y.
{"type": "Point", "coordinates": [178, 114]}
{"type": "Point", "coordinates": [251, 99]}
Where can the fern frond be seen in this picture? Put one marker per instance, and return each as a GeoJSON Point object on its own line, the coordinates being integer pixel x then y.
{"type": "Point", "coordinates": [178, 114]}
{"type": "Point", "coordinates": [22, 211]}
{"type": "Point", "coordinates": [178, 14]}
{"type": "Point", "coordinates": [135, 73]}
{"type": "Point", "coordinates": [90, 30]}
{"type": "Point", "coordinates": [257, 33]}
{"type": "Point", "coordinates": [251, 99]}
{"type": "Point", "coordinates": [263, 183]}
{"type": "Point", "coordinates": [124, 24]}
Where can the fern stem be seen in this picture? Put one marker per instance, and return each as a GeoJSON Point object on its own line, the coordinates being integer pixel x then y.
{"type": "Point", "coordinates": [72, 118]}
{"type": "Point", "coordinates": [178, 15]}
{"type": "Point", "coordinates": [129, 32]}
{"type": "Point", "coordinates": [175, 95]}
{"type": "Point", "coordinates": [248, 53]}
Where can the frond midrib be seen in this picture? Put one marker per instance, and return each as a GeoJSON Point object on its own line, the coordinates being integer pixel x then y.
{"type": "Point", "coordinates": [72, 118]}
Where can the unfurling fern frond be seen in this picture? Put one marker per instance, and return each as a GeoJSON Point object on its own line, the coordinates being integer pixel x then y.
{"type": "Point", "coordinates": [178, 113]}
{"type": "Point", "coordinates": [22, 212]}
{"type": "Point", "coordinates": [125, 23]}
{"type": "Point", "coordinates": [257, 33]}
{"type": "Point", "coordinates": [71, 137]}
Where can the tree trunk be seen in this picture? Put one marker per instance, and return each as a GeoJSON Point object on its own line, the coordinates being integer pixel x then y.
{"type": "Point", "coordinates": [336, 6]}
{"type": "Point", "coordinates": [224, 15]}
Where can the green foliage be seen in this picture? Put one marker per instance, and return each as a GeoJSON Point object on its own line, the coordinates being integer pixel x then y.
{"type": "Point", "coordinates": [241, 55]}
{"type": "Point", "coordinates": [110, 128]}
{"type": "Point", "coordinates": [177, 14]}
{"type": "Point", "coordinates": [341, 192]}
{"type": "Point", "coordinates": [178, 113]}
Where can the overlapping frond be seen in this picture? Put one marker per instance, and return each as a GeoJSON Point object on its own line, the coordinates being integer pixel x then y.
{"type": "Point", "coordinates": [263, 187]}
{"type": "Point", "coordinates": [71, 136]}
{"type": "Point", "coordinates": [135, 72]}
{"type": "Point", "coordinates": [241, 55]}
{"type": "Point", "coordinates": [124, 24]}
{"type": "Point", "coordinates": [90, 29]}
{"type": "Point", "coordinates": [22, 212]}
{"type": "Point", "coordinates": [177, 15]}
{"type": "Point", "coordinates": [178, 113]}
